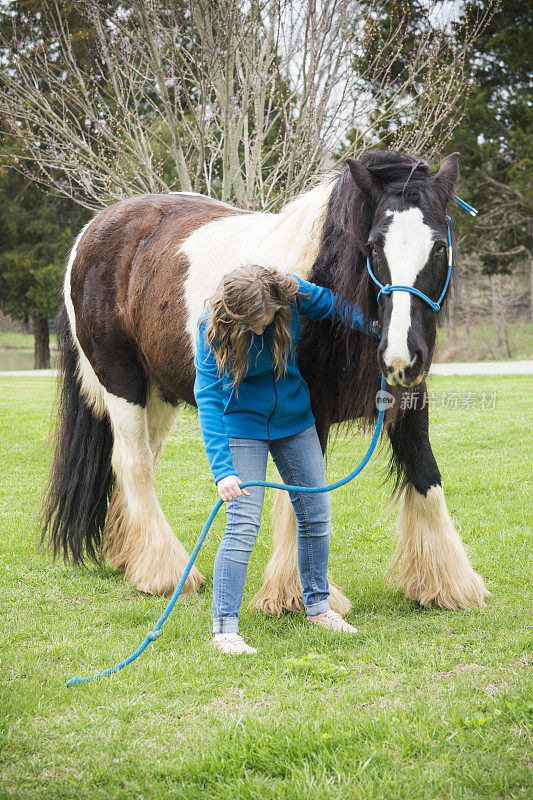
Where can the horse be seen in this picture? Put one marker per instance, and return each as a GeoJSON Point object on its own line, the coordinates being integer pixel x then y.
{"type": "Point", "coordinates": [135, 284]}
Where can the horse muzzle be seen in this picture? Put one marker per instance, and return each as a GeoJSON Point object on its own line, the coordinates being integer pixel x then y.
{"type": "Point", "coordinates": [403, 373]}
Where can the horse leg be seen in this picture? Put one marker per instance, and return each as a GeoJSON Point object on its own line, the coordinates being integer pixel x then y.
{"type": "Point", "coordinates": [137, 537]}
{"type": "Point", "coordinates": [282, 589]}
{"type": "Point", "coordinates": [430, 562]}
{"type": "Point", "coordinates": [160, 417]}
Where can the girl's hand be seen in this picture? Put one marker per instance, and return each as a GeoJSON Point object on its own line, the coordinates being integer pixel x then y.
{"type": "Point", "coordinates": [228, 488]}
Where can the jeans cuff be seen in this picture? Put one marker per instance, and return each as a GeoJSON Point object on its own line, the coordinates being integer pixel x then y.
{"type": "Point", "coordinates": [317, 608]}
{"type": "Point", "coordinates": [225, 624]}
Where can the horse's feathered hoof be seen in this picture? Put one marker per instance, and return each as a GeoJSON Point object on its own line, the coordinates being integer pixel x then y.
{"type": "Point", "coordinates": [145, 547]}
{"type": "Point", "coordinates": [277, 599]}
{"type": "Point", "coordinates": [430, 563]}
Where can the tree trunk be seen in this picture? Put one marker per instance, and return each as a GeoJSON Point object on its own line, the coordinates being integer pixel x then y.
{"type": "Point", "coordinates": [42, 342]}
{"type": "Point", "coordinates": [503, 316]}
{"type": "Point", "coordinates": [468, 307]}
{"type": "Point", "coordinates": [495, 314]}
{"type": "Point", "coordinates": [498, 311]}
{"type": "Point", "coordinates": [467, 288]}
{"type": "Point", "coordinates": [531, 287]}
{"type": "Point", "coordinates": [457, 303]}
{"type": "Point", "coordinates": [451, 322]}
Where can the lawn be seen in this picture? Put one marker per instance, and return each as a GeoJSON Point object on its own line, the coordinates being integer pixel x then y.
{"type": "Point", "coordinates": [17, 350]}
{"type": "Point", "coordinates": [421, 703]}
{"type": "Point", "coordinates": [479, 344]}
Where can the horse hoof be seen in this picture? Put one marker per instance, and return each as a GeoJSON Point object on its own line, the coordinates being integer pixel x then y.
{"type": "Point", "coordinates": [165, 584]}
{"type": "Point", "coordinates": [338, 600]}
{"type": "Point", "coordinates": [276, 601]}
{"type": "Point", "coordinates": [274, 604]}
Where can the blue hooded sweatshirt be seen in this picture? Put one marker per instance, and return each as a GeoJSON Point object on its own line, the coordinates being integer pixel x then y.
{"type": "Point", "coordinates": [265, 407]}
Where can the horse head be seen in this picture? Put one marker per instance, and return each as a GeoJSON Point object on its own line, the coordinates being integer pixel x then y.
{"type": "Point", "coordinates": [407, 245]}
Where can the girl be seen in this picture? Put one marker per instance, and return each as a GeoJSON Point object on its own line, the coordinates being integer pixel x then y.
{"type": "Point", "coordinates": [251, 400]}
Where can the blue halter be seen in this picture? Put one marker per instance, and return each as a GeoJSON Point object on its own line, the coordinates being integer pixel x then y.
{"type": "Point", "coordinates": [388, 288]}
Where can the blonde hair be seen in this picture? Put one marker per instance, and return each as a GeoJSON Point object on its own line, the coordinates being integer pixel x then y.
{"type": "Point", "coordinates": [242, 299]}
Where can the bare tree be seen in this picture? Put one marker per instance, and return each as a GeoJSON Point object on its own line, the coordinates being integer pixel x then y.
{"type": "Point", "coordinates": [507, 239]}
{"type": "Point", "coordinates": [246, 100]}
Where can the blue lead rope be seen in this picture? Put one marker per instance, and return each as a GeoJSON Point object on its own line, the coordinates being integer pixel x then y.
{"type": "Point", "coordinates": [156, 632]}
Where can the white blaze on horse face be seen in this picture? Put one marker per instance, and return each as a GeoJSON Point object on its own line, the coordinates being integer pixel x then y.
{"type": "Point", "coordinates": [408, 243]}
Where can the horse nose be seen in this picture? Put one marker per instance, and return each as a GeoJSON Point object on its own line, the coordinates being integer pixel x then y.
{"type": "Point", "coordinates": [401, 372]}
{"type": "Point", "coordinates": [397, 371]}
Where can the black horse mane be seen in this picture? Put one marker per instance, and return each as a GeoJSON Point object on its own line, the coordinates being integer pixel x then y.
{"type": "Point", "coordinates": [334, 356]}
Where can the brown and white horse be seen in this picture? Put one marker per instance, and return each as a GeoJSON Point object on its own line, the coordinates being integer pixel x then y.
{"type": "Point", "coordinates": [135, 284]}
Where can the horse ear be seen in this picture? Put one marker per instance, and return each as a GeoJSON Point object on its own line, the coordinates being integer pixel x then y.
{"type": "Point", "coordinates": [445, 179]}
{"type": "Point", "coordinates": [364, 180]}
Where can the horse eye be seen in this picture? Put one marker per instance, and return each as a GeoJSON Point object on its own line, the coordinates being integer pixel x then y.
{"type": "Point", "coordinates": [440, 249]}
{"type": "Point", "coordinates": [371, 247]}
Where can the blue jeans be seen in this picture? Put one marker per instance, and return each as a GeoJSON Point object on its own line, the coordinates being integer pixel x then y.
{"type": "Point", "coordinates": [300, 462]}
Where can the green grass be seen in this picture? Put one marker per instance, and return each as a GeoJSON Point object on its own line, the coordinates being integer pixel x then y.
{"type": "Point", "coordinates": [15, 340]}
{"type": "Point", "coordinates": [480, 344]}
{"type": "Point", "coordinates": [17, 350]}
{"type": "Point", "coordinates": [420, 703]}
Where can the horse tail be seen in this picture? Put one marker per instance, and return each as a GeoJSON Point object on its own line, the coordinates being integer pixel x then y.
{"type": "Point", "coordinates": [81, 478]}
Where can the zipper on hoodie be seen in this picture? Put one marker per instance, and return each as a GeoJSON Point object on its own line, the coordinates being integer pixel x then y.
{"type": "Point", "coordinates": [275, 392]}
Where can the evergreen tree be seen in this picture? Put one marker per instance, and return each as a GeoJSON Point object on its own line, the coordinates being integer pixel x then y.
{"type": "Point", "coordinates": [36, 233]}
{"type": "Point", "coordinates": [495, 139]}
{"type": "Point", "coordinates": [36, 229]}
